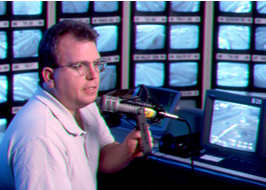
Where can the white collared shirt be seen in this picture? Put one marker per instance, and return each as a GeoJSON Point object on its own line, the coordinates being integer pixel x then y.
{"type": "Point", "coordinates": [44, 148]}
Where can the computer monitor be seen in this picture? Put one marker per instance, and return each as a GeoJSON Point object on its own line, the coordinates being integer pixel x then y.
{"type": "Point", "coordinates": [233, 123]}
{"type": "Point", "coordinates": [166, 98]}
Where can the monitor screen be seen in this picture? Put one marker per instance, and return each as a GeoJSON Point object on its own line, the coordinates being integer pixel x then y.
{"type": "Point", "coordinates": [232, 74]}
{"type": "Point", "coordinates": [26, 42]}
{"type": "Point", "coordinates": [108, 38]}
{"type": "Point", "coordinates": [3, 45]}
{"type": "Point", "coordinates": [150, 37]}
{"type": "Point", "coordinates": [259, 75]}
{"type": "Point", "coordinates": [261, 8]}
{"type": "Point", "coordinates": [145, 73]}
{"type": "Point", "coordinates": [3, 126]}
{"type": "Point", "coordinates": [260, 38]}
{"type": "Point", "coordinates": [235, 6]}
{"type": "Point", "coordinates": [27, 7]}
{"type": "Point", "coordinates": [69, 7]}
{"type": "Point", "coordinates": [183, 74]}
{"type": "Point", "coordinates": [234, 37]}
{"type": "Point", "coordinates": [232, 121]}
{"type": "Point", "coordinates": [24, 85]}
{"type": "Point", "coordinates": [184, 36]}
{"type": "Point", "coordinates": [234, 125]}
{"type": "Point", "coordinates": [185, 6]}
{"type": "Point", "coordinates": [108, 78]}
{"type": "Point", "coordinates": [3, 88]}
{"type": "Point", "coordinates": [2, 7]}
{"type": "Point", "coordinates": [105, 6]}
{"type": "Point", "coordinates": [150, 6]}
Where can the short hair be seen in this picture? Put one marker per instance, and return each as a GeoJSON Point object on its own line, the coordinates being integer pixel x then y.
{"type": "Point", "coordinates": [48, 45]}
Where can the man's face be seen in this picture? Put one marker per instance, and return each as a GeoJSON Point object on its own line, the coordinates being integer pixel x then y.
{"type": "Point", "coordinates": [71, 88]}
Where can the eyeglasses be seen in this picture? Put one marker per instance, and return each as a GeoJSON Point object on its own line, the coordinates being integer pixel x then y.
{"type": "Point", "coordinates": [83, 67]}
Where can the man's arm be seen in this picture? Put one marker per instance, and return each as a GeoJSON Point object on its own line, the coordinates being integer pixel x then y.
{"type": "Point", "coordinates": [115, 156]}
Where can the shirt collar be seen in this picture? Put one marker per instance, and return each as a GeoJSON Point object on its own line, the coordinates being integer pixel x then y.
{"type": "Point", "coordinates": [59, 111]}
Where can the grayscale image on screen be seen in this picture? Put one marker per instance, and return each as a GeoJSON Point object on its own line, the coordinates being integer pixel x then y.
{"type": "Point", "coordinates": [235, 125]}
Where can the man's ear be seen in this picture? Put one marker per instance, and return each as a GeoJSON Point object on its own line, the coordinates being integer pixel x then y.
{"type": "Point", "coordinates": [48, 76]}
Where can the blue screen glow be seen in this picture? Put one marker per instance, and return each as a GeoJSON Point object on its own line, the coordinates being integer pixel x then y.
{"type": "Point", "coordinates": [25, 84]}
{"type": "Point", "coordinates": [108, 38]}
{"type": "Point", "coordinates": [26, 43]}
{"type": "Point", "coordinates": [234, 37]}
{"type": "Point", "coordinates": [183, 74]}
{"type": "Point", "coordinates": [150, 74]}
{"type": "Point", "coordinates": [184, 36]}
{"type": "Point", "coordinates": [150, 37]}
{"type": "Point", "coordinates": [232, 74]}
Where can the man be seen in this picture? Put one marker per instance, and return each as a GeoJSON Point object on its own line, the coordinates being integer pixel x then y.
{"type": "Point", "coordinates": [58, 140]}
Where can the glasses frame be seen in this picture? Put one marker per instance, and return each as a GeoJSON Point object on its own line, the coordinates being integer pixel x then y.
{"type": "Point", "coordinates": [83, 67]}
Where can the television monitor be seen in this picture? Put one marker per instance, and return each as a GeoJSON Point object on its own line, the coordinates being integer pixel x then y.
{"type": "Point", "coordinates": [185, 6]}
{"type": "Point", "coordinates": [3, 126]}
{"type": "Point", "coordinates": [167, 98]}
{"type": "Point", "coordinates": [234, 37]}
{"type": "Point", "coordinates": [149, 73]}
{"type": "Point", "coordinates": [108, 38]}
{"type": "Point", "coordinates": [105, 6]}
{"type": "Point", "coordinates": [150, 6]}
{"type": "Point", "coordinates": [24, 85]}
{"type": "Point", "coordinates": [108, 78]}
{"type": "Point", "coordinates": [27, 7]}
{"type": "Point", "coordinates": [235, 6]}
{"type": "Point", "coordinates": [261, 8]}
{"type": "Point", "coordinates": [260, 35]}
{"type": "Point", "coordinates": [233, 123]}
{"type": "Point", "coordinates": [232, 74]}
{"type": "Point", "coordinates": [259, 75]}
{"type": "Point", "coordinates": [184, 36]}
{"type": "Point", "coordinates": [26, 42]}
{"type": "Point", "coordinates": [69, 7]}
{"type": "Point", "coordinates": [3, 88]}
{"type": "Point", "coordinates": [2, 7]}
{"type": "Point", "coordinates": [3, 45]}
{"type": "Point", "coordinates": [183, 74]}
{"type": "Point", "coordinates": [150, 37]}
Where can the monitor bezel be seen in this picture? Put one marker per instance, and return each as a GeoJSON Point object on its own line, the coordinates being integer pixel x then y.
{"type": "Point", "coordinates": [240, 98]}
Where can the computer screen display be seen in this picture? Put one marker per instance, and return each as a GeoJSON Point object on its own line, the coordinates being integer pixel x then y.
{"type": "Point", "coordinates": [259, 75]}
{"type": "Point", "coordinates": [108, 78]}
{"type": "Point", "coordinates": [3, 125]}
{"type": "Point", "coordinates": [149, 73]}
{"type": "Point", "coordinates": [150, 6]}
{"type": "Point", "coordinates": [184, 36]}
{"type": "Point", "coordinates": [3, 88]}
{"type": "Point", "coordinates": [108, 38]}
{"type": "Point", "coordinates": [27, 7]}
{"type": "Point", "coordinates": [24, 85]}
{"type": "Point", "coordinates": [233, 121]}
{"type": "Point", "coordinates": [235, 6]}
{"type": "Point", "coordinates": [234, 125]}
{"type": "Point", "coordinates": [185, 6]}
{"type": "Point", "coordinates": [2, 7]}
{"type": "Point", "coordinates": [260, 38]}
{"type": "Point", "coordinates": [69, 7]}
{"type": "Point", "coordinates": [232, 74]}
{"type": "Point", "coordinates": [183, 74]}
{"type": "Point", "coordinates": [105, 6]}
{"type": "Point", "coordinates": [26, 42]}
{"type": "Point", "coordinates": [234, 37]}
{"type": "Point", "coordinates": [3, 45]}
{"type": "Point", "coordinates": [150, 37]}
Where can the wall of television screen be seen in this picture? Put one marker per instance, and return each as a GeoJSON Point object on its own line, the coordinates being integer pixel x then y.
{"type": "Point", "coordinates": [239, 62]}
{"type": "Point", "coordinates": [166, 46]}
